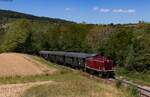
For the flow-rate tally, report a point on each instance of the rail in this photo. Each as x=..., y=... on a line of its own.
x=144, y=91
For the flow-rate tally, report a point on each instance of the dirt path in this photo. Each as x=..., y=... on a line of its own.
x=16, y=90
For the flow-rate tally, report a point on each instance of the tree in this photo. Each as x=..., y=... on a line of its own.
x=97, y=36
x=16, y=35
x=130, y=57
x=142, y=48
x=118, y=43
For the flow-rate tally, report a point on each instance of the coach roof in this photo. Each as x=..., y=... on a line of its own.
x=68, y=54
x=79, y=55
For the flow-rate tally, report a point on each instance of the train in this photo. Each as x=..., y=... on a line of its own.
x=93, y=63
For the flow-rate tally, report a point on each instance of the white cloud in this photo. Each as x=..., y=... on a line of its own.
x=105, y=10
x=118, y=10
x=68, y=9
x=124, y=10
x=131, y=10
x=96, y=8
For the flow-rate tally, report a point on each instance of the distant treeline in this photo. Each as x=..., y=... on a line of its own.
x=128, y=46
x=7, y=15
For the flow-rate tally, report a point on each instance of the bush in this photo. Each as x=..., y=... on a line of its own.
x=118, y=84
x=134, y=91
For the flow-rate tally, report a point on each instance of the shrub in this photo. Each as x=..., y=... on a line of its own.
x=118, y=84
x=134, y=91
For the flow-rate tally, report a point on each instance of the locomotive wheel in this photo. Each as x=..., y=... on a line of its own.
x=105, y=75
x=91, y=72
x=111, y=75
x=108, y=75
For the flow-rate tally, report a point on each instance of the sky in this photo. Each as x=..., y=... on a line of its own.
x=89, y=11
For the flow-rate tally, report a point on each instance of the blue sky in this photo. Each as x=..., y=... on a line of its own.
x=90, y=11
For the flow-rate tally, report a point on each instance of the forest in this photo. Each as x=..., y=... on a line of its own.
x=127, y=44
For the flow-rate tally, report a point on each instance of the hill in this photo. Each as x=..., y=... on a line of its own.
x=14, y=64
x=7, y=15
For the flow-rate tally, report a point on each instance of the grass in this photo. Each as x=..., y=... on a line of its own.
x=140, y=78
x=77, y=88
x=26, y=79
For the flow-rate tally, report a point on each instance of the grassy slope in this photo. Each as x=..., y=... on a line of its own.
x=140, y=78
x=67, y=83
x=77, y=88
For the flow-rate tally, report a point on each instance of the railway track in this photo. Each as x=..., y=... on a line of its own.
x=144, y=91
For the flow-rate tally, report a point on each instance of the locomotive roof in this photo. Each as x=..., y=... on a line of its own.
x=69, y=54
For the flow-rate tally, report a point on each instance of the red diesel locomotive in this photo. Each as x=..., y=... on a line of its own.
x=100, y=64
x=94, y=63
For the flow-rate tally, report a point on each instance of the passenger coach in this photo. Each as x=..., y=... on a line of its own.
x=91, y=62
